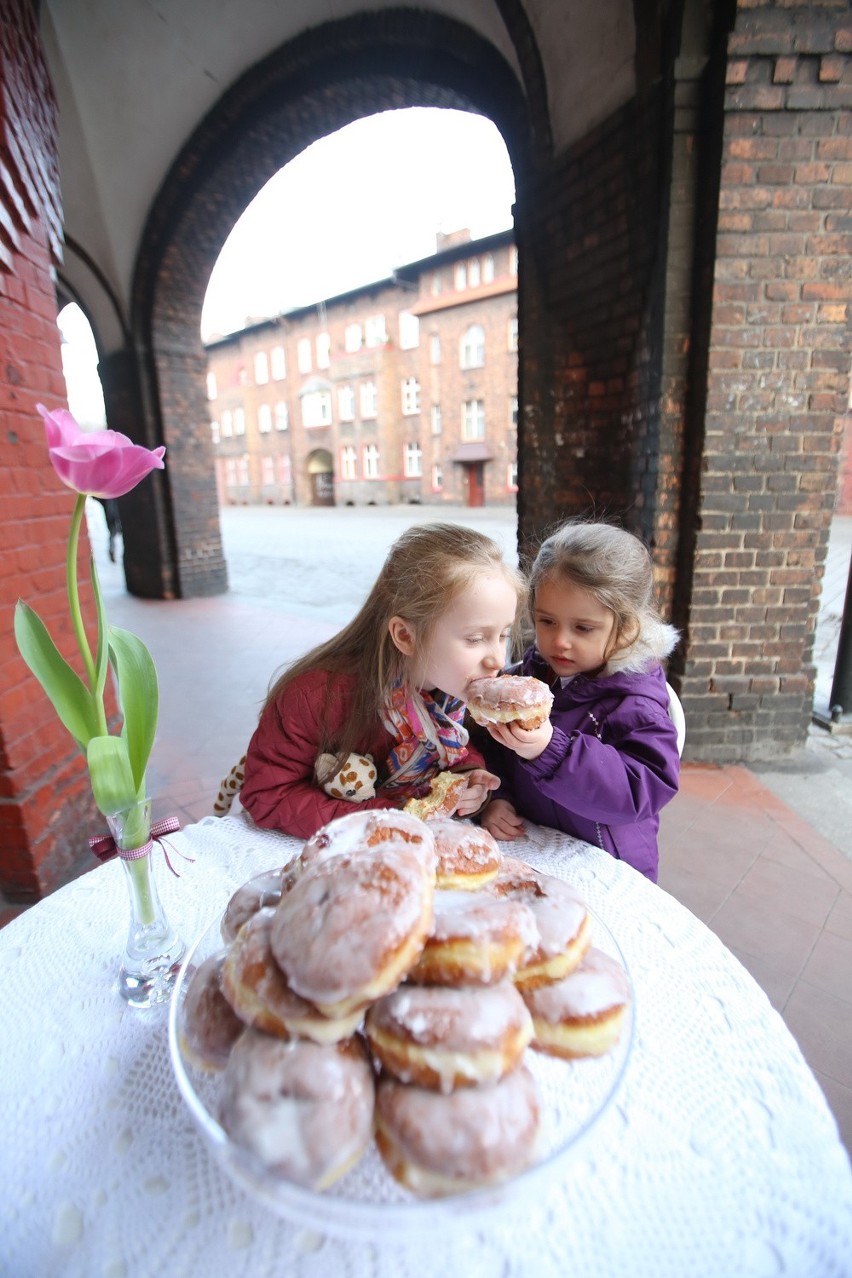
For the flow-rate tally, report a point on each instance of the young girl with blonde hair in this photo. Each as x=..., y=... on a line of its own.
x=606, y=761
x=391, y=684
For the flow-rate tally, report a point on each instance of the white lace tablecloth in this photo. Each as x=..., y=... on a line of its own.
x=719, y=1156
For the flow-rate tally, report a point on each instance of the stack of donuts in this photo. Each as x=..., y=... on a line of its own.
x=388, y=982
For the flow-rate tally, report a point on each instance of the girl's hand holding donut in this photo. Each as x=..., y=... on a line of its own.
x=528, y=743
x=502, y=821
x=479, y=785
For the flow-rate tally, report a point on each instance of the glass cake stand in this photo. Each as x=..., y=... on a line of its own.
x=367, y=1203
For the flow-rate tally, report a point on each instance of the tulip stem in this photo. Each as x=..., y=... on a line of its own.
x=74, y=597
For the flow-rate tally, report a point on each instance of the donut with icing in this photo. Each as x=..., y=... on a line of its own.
x=442, y=799
x=468, y=856
x=438, y=1144
x=304, y=1110
x=517, y=699
x=562, y=925
x=475, y=939
x=360, y=832
x=261, y=890
x=257, y=989
x=583, y=1014
x=445, y=1038
x=352, y=926
x=209, y=1026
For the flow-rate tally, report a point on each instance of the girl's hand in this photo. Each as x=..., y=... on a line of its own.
x=502, y=821
x=479, y=785
x=528, y=743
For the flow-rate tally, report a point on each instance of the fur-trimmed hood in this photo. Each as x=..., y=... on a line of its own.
x=656, y=639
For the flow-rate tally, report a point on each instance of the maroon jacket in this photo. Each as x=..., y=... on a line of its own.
x=280, y=791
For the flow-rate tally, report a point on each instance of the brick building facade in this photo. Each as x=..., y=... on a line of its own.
x=402, y=391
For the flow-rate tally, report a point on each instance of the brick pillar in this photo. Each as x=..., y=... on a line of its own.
x=46, y=808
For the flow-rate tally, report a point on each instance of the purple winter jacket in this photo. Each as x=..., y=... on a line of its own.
x=612, y=762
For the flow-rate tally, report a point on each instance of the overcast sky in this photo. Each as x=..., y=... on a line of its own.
x=347, y=211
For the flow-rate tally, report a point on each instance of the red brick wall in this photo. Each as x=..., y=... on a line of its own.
x=45, y=802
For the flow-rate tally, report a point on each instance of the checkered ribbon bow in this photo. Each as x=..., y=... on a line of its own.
x=105, y=847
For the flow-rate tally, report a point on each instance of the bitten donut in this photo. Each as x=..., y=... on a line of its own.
x=360, y=832
x=351, y=927
x=583, y=1014
x=257, y=989
x=209, y=1026
x=304, y=1110
x=445, y=792
x=468, y=856
x=476, y=939
x=264, y=889
x=517, y=699
x=562, y=925
x=437, y=1144
x=446, y=1038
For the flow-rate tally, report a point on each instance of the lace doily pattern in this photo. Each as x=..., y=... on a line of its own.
x=718, y=1156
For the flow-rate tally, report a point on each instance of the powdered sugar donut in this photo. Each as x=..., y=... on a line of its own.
x=468, y=855
x=446, y=1038
x=209, y=1027
x=562, y=925
x=517, y=699
x=583, y=1014
x=475, y=939
x=360, y=832
x=304, y=1110
x=437, y=1144
x=441, y=800
x=261, y=890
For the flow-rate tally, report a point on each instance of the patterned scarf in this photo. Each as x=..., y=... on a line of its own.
x=429, y=734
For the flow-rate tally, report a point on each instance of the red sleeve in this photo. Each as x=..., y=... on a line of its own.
x=279, y=791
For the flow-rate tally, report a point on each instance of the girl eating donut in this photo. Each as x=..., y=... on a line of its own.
x=391, y=684
x=605, y=761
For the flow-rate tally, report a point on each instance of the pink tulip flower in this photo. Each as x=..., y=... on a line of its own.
x=100, y=463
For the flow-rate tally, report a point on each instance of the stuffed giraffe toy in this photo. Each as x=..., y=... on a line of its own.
x=355, y=781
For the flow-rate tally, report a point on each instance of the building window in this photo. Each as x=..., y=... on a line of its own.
x=264, y=419
x=231, y=472
x=513, y=411
x=211, y=386
x=369, y=400
x=267, y=470
x=412, y=468
x=473, y=272
x=214, y=432
x=303, y=355
x=348, y=463
x=323, y=345
x=346, y=404
x=239, y=421
x=437, y=420
x=352, y=338
x=409, y=331
x=436, y=284
x=284, y=470
x=488, y=268
x=375, y=333
x=460, y=276
x=513, y=260
x=316, y=408
x=435, y=349
x=261, y=369
x=282, y=416
x=371, y=461
x=472, y=350
x=279, y=363
x=473, y=419
x=437, y=478
x=513, y=333
x=512, y=477
x=227, y=424
x=410, y=396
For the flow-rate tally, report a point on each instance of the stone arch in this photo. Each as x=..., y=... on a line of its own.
x=320, y=478
x=324, y=79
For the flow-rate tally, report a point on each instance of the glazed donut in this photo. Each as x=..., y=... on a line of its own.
x=437, y=1144
x=517, y=699
x=583, y=1014
x=359, y=832
x=446, y=1038
x=304, y=1110
x=468, y=855
x=352, y=926
x=264, y=889
x=257, y=989
x=209, y=1027
x=476, y=939
x=444, y=796
x=562, y=924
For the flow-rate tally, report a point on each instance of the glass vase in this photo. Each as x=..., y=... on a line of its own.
x=153, y=952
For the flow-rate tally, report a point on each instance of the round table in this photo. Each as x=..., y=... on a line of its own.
x=719, y=1155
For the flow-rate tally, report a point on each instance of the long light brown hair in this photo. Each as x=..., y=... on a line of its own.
x=425, y=571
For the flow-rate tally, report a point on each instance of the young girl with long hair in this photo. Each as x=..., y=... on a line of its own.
x=606, y=761
x=391, y=684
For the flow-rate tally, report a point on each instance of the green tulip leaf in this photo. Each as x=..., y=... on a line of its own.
x=139, y=696
x=70, y=697
x=102, y=660
x=111, y=774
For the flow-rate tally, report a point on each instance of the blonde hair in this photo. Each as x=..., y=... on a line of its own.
x=610, y=563
x=425, y=571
